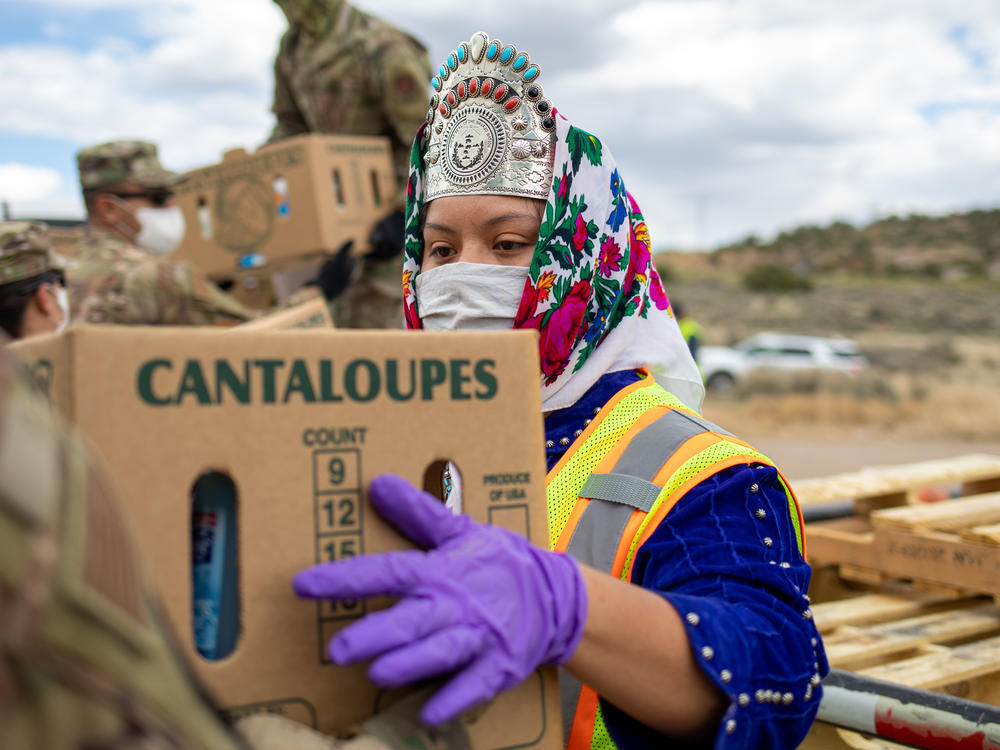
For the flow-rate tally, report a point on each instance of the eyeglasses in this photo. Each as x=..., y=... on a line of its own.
x=158, y=198
x=51, y=276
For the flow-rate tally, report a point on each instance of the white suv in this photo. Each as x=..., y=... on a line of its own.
x=722, y=366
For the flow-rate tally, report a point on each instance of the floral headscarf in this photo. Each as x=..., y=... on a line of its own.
x=592, y=291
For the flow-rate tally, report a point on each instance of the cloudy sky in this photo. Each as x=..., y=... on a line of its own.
x=727, y=117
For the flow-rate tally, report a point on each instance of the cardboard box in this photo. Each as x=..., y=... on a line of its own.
x=312, y=314
x=298, y=196
x=301, y=421
x=251, y=288
x=272, y=284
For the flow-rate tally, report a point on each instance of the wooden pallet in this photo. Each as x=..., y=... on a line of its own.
x=885, y=486
x=913, y=638
x=951, y=544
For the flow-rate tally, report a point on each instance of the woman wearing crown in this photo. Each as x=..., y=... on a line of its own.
x=673, y=594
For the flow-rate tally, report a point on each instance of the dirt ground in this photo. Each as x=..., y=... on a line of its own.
x=823, y=436
x=810, y=458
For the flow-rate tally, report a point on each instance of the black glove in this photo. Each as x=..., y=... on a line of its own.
x=387, y=237
x=335, y=274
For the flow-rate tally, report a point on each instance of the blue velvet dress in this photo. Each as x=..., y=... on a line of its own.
x=726, y=558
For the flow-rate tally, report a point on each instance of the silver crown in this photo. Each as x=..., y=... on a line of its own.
x=490, y=128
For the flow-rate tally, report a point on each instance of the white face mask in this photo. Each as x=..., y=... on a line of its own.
x=62, y=299
x=470, y=296
x=160, y=229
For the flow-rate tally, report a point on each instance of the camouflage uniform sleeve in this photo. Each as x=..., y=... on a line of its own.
x=300, y=296
x=209, y=305
x=373, y=300
x=172, y=293
x=404, y=71
x=288, y=117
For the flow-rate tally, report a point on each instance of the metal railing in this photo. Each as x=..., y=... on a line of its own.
x=909, y=716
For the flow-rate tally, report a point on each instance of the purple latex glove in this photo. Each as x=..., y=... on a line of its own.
x=481, y=601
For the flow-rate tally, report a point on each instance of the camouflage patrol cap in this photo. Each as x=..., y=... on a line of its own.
x=117, y=162
x=25, y=251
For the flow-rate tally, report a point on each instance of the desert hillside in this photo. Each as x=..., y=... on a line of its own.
x=962, y=244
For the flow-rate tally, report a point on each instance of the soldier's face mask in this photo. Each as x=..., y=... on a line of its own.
x=58, y=292
x=62, y=297
x=160, y=229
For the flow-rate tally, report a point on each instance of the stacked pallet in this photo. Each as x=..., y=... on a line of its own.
x=905, y=591
x=952, y=543
x=881, y=486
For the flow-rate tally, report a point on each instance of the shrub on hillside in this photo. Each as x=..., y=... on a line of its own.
x=775, y=279
x=866, y=386
x=932, y=356
x=666, y=273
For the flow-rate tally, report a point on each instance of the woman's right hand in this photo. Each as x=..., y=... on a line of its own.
x=481, y=601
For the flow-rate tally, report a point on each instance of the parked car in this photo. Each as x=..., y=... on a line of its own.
x=723, y=366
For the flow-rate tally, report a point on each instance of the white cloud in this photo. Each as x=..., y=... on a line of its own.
x=726, y=117
x=202, y=87
x=766, y=114
x=27, y=182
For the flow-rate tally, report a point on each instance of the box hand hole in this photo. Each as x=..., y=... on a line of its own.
x=204, y=218
x=443, y=480
x=280, y=187
x=376, y=194
x=338, y=190
x=215, y=605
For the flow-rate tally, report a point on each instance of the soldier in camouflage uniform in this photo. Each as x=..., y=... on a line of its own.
x=86, y=657
x=33, y=295
x=117, y=281
x=373, y=298
x=340, y=70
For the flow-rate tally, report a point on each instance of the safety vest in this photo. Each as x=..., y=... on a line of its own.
x=690, y=327
x=638, y=457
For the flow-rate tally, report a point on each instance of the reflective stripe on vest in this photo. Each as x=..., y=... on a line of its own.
x=599, y=530
x=661, y=451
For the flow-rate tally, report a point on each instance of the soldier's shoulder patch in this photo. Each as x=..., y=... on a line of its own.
x=404, y=84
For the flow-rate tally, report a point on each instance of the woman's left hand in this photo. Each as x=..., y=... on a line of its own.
x=481, y=601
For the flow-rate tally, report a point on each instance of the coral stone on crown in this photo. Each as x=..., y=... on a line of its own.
x=490, y=129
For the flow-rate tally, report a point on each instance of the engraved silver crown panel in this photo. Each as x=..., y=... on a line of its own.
x=490, y=128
